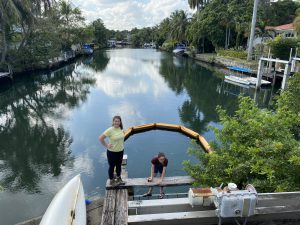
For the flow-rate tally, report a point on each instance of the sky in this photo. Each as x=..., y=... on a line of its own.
x=127, y=14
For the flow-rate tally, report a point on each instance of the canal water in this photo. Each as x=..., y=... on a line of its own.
x=50, y=122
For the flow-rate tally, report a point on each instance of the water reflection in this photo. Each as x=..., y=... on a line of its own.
x=202, y=88
x=33, y=142
x=206, y=89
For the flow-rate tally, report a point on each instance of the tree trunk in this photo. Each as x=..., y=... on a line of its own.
x=226, y=36
x=252, y=34
x=237, y=40
x=228, y=39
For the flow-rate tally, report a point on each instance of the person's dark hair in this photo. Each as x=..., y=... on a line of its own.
x=161, y=154
x=118, y=117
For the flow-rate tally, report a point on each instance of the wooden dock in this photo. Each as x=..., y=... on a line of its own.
x=115, y=208
x=142, y=182
x=272, y=209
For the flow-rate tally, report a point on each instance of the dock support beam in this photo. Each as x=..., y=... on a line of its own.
x=286, y=75
x=259, y=73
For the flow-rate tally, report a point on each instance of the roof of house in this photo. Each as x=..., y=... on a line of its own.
x=289, y=26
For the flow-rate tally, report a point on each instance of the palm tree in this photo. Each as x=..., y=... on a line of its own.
x=15, y=13
x=179, y=23
x=297, y=21
x=11, y=11
x=197, y=4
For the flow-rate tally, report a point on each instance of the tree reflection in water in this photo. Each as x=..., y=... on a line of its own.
x=201, y=86
x=33, y=143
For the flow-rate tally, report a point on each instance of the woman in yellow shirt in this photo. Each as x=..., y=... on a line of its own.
x=115, y=149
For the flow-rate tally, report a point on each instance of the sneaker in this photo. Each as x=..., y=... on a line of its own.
x=113, y=182
x=162, y=195
x=120, y=181
x=147, y=194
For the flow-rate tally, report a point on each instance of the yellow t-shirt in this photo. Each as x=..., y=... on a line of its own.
x=116, y=138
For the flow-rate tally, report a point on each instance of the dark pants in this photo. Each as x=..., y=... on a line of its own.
x=114, y=160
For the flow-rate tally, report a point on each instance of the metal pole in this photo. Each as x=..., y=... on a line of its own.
x=252, y=30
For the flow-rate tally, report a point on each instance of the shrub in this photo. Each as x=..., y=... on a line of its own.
x=168, y=45
x=233, y=53
x=281, y=47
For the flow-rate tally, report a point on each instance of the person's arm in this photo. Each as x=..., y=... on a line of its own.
x=102, y=141
x=151, y=173
x=162, y=175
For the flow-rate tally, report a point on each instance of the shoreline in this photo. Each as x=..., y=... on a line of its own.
x=224, y=62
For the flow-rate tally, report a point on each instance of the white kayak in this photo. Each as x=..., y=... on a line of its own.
x=68, y=205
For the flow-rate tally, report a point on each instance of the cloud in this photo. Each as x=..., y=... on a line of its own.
x=127, y=14
x=130, y=113
x=125, y=76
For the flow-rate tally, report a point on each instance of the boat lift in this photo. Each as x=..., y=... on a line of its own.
x=286, y=75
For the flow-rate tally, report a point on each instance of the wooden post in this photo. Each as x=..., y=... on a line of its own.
x=293, y=65
x=286, y=75
x=259, y=73
x=270, y=68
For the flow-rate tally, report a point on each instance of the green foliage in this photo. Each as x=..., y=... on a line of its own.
x=240, y=54
x=281, y=47
x=70, y=20
x=256, y=146
x=179, y=23
x=100, y=32
x=168, y=45
x=277, y=13
x=288, y=105
x=218, y=18
x=296, y=21
x=141, y=36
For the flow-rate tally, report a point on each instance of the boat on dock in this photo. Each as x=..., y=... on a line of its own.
x=236, y=79
x=244, y=79
x=68, y=206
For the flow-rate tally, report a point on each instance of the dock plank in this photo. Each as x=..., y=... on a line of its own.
x=142, y=182
x=121, y=213
x=206, y=217
x=108, y=214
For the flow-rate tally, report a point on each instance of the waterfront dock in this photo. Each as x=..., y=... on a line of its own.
x=117, y=209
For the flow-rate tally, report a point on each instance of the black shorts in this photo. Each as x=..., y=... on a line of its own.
x=158, y=169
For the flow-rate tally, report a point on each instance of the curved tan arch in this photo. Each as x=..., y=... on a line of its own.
x=165, y=126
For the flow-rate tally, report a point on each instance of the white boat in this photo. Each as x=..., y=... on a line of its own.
x=68, y=206
x=180, y=49
x=253, y=81
x=237, y=79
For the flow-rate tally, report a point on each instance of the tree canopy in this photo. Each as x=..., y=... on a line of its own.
x=256, y=146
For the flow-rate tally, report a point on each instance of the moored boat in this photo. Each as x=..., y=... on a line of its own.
x=239, y=80
x=87, y=49
x=179, y=49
